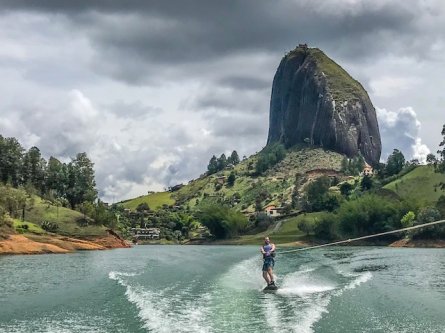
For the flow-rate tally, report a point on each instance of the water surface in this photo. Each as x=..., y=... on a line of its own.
x=218, y=289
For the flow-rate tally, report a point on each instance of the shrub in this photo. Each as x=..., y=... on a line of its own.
x=368, y=214
x=426, y=215
x=49, y=226
x=221, y=220
x=306, y=226
x=326, y=226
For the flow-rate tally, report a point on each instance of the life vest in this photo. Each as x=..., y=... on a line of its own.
x=268, y=249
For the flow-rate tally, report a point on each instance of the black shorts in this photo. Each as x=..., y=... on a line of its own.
x=269, y=262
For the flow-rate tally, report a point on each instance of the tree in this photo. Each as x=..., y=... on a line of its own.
x=366, y=183
x=142, y=206
x=55, y=179
x=81, y=182
x=222, y=221
x=345, y=189
x=317, y=193
x=11, y=153
x=440, y=167
x=368, y=214
x=234, y=158
x=212, y=167
x=34, y=169
x=231, y=179
x=408, y=219
x=221, y=162
x=269, y=156
x=14, y=201
x=306, y=226
x=428, y=214
x=395, y=163
x=431, y=159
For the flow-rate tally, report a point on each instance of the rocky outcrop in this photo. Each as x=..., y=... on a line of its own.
x=316, y=102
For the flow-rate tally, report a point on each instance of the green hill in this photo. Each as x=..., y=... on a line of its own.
x=419, y=185
x=68, y=220
x=38, y=210
x=153, y=200
x=275, y=186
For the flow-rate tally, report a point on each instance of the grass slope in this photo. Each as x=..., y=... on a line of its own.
x=153, y=200
x=418, y=185
x=31, y=227
x=67, y=219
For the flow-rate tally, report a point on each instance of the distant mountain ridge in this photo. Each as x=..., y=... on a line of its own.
x=315, y=101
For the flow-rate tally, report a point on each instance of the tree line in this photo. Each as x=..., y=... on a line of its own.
x=71, y=183
x=218, y=164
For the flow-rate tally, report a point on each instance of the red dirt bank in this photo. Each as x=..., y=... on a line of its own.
x=40, y=244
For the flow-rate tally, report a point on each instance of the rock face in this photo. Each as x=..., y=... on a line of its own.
x=315, y=101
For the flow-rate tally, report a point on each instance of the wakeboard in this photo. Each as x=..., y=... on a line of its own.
x=270, y=289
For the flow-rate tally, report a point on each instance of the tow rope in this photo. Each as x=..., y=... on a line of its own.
x=364, y=237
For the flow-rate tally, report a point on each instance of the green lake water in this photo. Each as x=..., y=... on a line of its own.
x=219, y=289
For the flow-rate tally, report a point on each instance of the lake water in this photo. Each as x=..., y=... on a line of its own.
x=219, y=289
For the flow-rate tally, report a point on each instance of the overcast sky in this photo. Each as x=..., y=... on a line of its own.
x=151, y=89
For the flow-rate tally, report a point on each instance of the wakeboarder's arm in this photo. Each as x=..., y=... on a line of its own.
x=262, y=250
x=273, y=247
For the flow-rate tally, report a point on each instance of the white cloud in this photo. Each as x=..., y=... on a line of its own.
x=400, y=129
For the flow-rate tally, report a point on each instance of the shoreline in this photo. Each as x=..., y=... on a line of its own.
x=44, y=244
x=20, y=244
x=402, y=243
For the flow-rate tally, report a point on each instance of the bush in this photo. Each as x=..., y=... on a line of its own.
x=49, y=226
x=326, y=226
x=142, y=206
x=368, y=214
x=408, y=219
x=318, y=198
x=426, y=215
x=221, y=220
x=269, y=157
x=440, y=206
x=306, y=226
x=262, y=221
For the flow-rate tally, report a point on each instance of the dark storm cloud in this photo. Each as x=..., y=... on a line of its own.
x=218, y=100
x=134, y=39
x=214, y=57
x=245, y=83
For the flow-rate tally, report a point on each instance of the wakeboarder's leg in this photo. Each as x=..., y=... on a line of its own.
x=270, y=276
x=266, y=277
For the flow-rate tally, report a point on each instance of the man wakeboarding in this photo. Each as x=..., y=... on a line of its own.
x=268, y=251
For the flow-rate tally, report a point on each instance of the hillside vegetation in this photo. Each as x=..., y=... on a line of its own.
x=419, y=185
x=37, y=211
x=153, y=200
x=275, y=186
